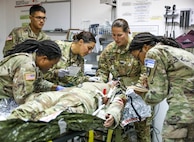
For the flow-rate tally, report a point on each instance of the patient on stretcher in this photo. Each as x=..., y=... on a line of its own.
x=87, y=99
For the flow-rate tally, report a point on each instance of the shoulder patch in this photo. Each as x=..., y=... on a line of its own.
x=150, y=63
x=30, y=76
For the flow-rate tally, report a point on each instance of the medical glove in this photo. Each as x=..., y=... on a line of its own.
x=58, y=88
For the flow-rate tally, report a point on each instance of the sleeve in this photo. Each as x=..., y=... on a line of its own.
x=79, y=78
x=158, y=83
x=75, y=80
x=10, y=41
x=23, y=82
x=103, y=68
x=116, y=108
x=50, y=74
x=42, y=85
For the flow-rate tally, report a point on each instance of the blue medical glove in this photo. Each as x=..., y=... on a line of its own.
x=59, y=88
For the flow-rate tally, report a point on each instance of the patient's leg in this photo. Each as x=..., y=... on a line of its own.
x=33, y=107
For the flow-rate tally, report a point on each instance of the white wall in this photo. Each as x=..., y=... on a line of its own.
x=89, y=10
x=3, y=25
x=151, y=12
x=7, y=22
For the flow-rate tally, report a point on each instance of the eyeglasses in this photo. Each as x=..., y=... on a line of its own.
x=39, y=18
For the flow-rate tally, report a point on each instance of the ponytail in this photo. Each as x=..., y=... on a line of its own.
x=147, y=38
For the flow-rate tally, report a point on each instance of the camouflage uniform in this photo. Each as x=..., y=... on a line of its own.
x=121, y=64
x=72, y=99
x=19, y=77
x=19, y=35
x=67, y=59
x=171, y=76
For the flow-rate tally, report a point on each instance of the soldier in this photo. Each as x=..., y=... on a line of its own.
x=21, y=73
x=31, y=31
x=72, y=56
x=74, y=100
x=117, y=60
x=170, y=72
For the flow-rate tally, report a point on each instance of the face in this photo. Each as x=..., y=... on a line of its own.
x=45, y=64
x=119, y=36
x=141, y=53
x=37, y=20
x=85, y=48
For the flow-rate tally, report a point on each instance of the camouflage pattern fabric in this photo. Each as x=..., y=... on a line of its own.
x=19, y=77
x=124, y=66
x=17, y=130
x=19, y=35
x=171, y=76
x=74, y=100
x=68, y=59
x=120, y=63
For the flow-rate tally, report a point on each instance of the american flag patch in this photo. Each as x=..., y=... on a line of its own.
x=9, y=38
x=30, y=76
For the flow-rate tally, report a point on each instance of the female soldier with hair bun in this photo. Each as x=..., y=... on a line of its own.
x=72, y=56
x=21, y=71
x=170, y=76
x=117, y=60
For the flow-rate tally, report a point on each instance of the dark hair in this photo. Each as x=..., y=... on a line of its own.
x=36, y=8
x=42, y=48
x=86, y=36
x=122, y=23
x=147, y=38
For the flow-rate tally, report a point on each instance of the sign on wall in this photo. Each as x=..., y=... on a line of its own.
x=22, y=3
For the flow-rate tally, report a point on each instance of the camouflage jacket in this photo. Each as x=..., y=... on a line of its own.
x=19, y=77
x=67, y=59
x=73, y=99
x=19, y=35
x=120, y=63
x=170, y=74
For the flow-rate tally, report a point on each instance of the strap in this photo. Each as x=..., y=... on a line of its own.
x=117, y=134
x=109, y=135
x=91, y=136
x=134, y=108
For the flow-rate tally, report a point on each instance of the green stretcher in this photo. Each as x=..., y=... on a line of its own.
x=64, y=127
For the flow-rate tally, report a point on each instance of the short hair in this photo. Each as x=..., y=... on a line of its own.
x=36, y=8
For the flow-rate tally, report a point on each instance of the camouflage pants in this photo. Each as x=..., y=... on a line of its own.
x=180, y=130
x=143, y=130
x=178, y=133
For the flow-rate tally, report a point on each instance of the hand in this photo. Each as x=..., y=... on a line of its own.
x=109, y=120
x=94, y=79
x=58, y=88
x=62, y=72
x=143, y=80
